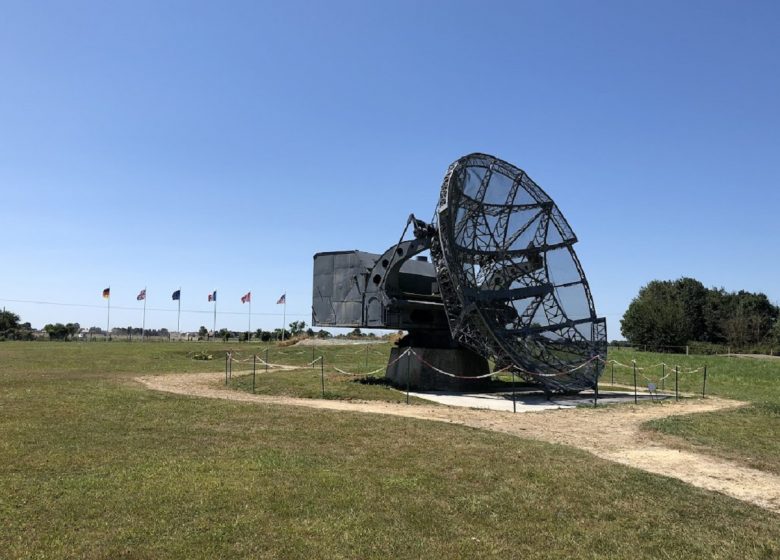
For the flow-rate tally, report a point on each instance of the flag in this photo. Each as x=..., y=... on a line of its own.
x=141, y=295
x=247, y=297
x=176, y=295
x=213, y=297
x=282, y=299
x=107, y=293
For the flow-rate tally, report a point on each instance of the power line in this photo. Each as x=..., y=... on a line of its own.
x=92, y=306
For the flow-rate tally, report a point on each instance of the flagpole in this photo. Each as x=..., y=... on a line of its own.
x=108, y=314
x=249, y=331
x=178, y=316
x=284, y=314
x=214, y=329
x=143, y=321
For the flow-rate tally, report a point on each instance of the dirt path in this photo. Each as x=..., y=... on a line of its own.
x=611, y=433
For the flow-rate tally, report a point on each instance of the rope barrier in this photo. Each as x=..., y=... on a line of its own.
x=341, y=371
x=694, y=370
x=244, y=361
x=392, y=362
x=559, y=373
x=517, y=369
x=448, y=374
x=261, y=361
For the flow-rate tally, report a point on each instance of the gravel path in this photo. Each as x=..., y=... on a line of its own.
x=612, y=433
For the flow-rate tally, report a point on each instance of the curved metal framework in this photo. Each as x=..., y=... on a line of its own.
x=512, y=286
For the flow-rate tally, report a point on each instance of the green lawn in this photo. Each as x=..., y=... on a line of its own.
x=307, y=383
x=747, y=435
x=749, y=379
x=349, y=372
x=92, y=465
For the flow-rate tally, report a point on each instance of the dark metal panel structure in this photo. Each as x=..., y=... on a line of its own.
x=505, y=281
x=394, y=290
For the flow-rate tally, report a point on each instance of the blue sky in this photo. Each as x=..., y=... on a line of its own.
x=218, y=146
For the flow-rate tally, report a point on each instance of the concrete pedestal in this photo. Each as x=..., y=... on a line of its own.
x=458, y=361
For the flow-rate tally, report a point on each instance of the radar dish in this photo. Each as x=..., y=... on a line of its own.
x=512, y=286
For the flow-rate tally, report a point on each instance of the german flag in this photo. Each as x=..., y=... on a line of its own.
x=107, y=293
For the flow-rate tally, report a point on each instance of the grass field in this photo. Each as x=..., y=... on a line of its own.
x=354, y=361
x=747, y=435
x=92, y=465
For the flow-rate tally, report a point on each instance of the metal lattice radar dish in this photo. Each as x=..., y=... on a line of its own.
x=509, y=278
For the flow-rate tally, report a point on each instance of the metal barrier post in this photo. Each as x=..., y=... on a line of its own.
x=704, y=385
x=596, y=392
x=514, y=402
x=254, y=371
x=266, y=360
x=226, y=366
x=676, y=382
x=663, y=376
x=322, y=375
x=408, y=374
x=635, y=397
x=613, y=373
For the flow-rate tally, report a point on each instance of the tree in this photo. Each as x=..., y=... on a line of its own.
x=692, y=295
x=749, y=318
x=203, y=332
x=8, y=321
x=277, y=335
x=11, y=329
x=57, y=331
x=774, y=334
x=714, y=313
x=656, y=317
x=297, y=327
x=673, y=313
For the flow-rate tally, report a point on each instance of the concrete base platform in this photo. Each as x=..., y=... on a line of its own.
x=530, y=401
x=421, y=377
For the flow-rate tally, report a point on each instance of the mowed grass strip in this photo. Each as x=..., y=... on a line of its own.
x=101, y=358
x=351, y=371
x=307, y=383
x=95, y=468
x=747, y=435
x=749, y=379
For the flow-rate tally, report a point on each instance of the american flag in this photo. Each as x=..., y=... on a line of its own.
x=141, y=295
x=247, y=297
x=282, y=299
x=213, y=297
